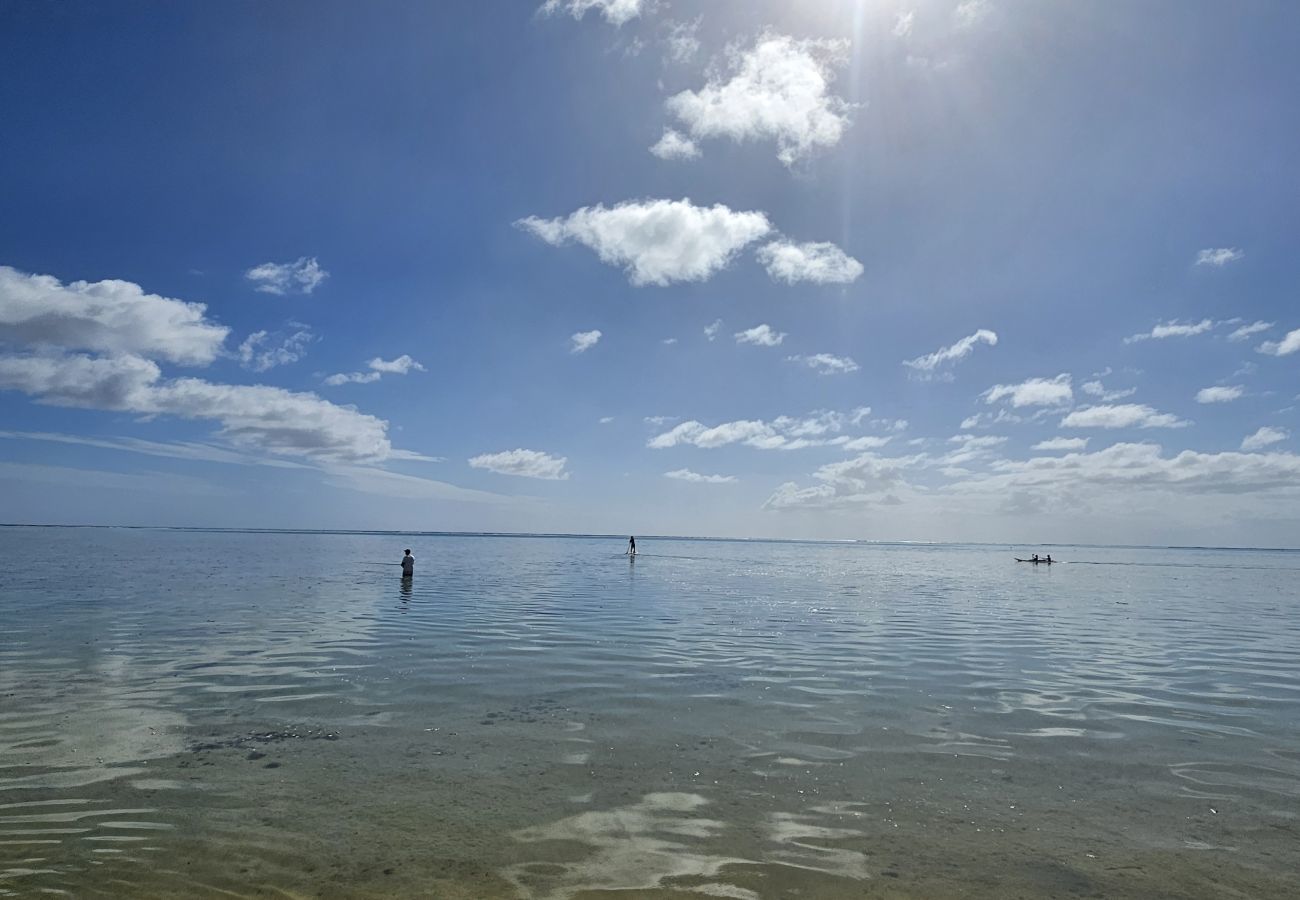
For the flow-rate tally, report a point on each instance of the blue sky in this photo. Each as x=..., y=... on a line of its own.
x=932, y=270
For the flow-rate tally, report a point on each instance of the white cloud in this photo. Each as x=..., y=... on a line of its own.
x=903, y=23
x=818, y=262
x=605, y=420
x=778, y=90
x=616, y=12
x=259, y=416
x=353, y=378
x=781, y=433
x=1123, y=415
x=291, y=348
x=1172, y=329
x=1098, y=390
x=868, y=479
x=1218, y=257
x=826, y=363
x=760, y=335
x=1033, y=392
x=931, y=361
x=105, y=316
x=1219, y=394
x=656, y=241
x=696, y=477
x=682, y=40
x=673, y=145
x=1062, y=443
x=1288, y=345
x=302, y=276
x=525, y=463
x=379, y=367
x=399, y=366
x=984, y=420
x=1265, y=437
x=711, y=331
x=121, y=383
x=583, y=341
x=1142, y=466
x=660, y=421
x=971, y=12
x=1246, y=331
x=668, y=342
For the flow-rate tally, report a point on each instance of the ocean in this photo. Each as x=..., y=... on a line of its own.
x=254, y=714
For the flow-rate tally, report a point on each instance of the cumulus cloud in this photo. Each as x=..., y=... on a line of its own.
x=656, y=241
x=674, y=145
x=826, y=363
x=615, y=12
x=524, y=463
x=256, y=354
x=582, y=341
x=1285, y=347
x=925, y=365
x=266, y=418
x=1218, y=257
x=120, y=383
x=697, y=478
x=778, y=90
x=1122, y=415
x=760, y=335
x=378, y=368
x=302, y=276
x=868, y=479
x=1219, y=394
x=1143, y=466
x=1247, y=331
x=1098, y=390
x=1171, y=329
x=1033, y=392
x=109, y=316
x=1264, y=437
x=818, y=429
x=711, y=330
x=818, y=262
x=1062, y=443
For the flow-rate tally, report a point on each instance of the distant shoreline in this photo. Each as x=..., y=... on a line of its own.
x=645, y=537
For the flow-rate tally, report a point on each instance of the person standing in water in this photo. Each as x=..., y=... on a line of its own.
x=631, y=546
x=408, y=565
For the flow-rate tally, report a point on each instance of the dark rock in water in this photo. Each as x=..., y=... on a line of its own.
x=256, y=754
x=271, y=765
x=263, y=737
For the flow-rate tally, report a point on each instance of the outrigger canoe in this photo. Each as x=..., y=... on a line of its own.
x=1046, y=562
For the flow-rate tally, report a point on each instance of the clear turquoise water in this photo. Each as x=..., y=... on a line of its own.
x=238, y=714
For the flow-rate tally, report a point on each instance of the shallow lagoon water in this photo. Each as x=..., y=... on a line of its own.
x=258, y=715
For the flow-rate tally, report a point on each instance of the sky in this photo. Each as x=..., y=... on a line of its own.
x=931, y=270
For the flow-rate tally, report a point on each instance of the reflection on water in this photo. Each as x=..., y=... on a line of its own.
x=547, y=718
